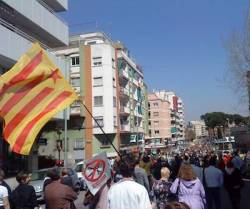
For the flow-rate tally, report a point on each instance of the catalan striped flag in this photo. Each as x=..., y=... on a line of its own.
x=31, y=93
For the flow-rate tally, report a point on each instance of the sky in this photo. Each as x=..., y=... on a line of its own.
x=180, y=44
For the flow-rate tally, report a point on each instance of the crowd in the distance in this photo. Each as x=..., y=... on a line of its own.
x=192, y=180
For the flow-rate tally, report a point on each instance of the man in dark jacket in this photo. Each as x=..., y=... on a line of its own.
x=24, y=196
x=58, y=195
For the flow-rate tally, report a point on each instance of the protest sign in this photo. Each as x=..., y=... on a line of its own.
x=97, y=171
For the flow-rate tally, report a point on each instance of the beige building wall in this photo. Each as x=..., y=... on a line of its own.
x=159, y=118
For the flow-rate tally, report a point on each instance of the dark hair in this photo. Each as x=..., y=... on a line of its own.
x=21, y=177
x=54, y=174
x=145, y=159
x=177, y=205
x=126, y=169
x=230, y=164
x=1, y=174
x=213, y=160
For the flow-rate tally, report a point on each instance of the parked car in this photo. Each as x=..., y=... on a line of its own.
x=37, y=180
x=79, y=167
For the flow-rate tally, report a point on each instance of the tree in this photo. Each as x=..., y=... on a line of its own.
x=221, y=121
x=239, y=60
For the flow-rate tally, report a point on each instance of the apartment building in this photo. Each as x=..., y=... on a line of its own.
x=21, y=23
x=176, y=115
x=112, y=87
x=159, y=122
x=199, y=128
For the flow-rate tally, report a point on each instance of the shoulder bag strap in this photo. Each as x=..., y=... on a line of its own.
x=178, y=187
x=204, y=178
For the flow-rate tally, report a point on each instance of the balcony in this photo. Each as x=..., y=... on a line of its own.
x=125, y=128
x=75, y=70
x=57, y=5
x=75, y=110
x=135, y=82
x=124, y=92
x=34, y=19
x=123, y=74
x=124, y=110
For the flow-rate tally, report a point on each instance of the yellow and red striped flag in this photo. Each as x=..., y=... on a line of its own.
x=31, y=93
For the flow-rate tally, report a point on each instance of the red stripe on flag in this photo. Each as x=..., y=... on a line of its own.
x=26, y=109
x=19, y=95
x=23, y=136
x=25, y=72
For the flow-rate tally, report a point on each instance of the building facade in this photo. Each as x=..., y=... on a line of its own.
x=21, y=23
x=112, y=87
x=159, y=122
x=199, y=128
x=176, y=115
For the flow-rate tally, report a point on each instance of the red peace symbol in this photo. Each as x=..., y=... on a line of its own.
x=94, y=170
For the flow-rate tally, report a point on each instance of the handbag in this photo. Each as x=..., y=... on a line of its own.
x=173, y=197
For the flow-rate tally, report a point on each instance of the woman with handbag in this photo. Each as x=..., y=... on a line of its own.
x=188, y=188
x=161, y=189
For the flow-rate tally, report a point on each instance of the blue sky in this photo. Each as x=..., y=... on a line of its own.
x=179, y=44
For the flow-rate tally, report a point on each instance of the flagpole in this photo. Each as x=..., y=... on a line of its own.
x=105, y=135
x=65, y=138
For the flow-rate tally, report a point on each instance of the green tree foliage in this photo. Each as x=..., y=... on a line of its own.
x=220, y=119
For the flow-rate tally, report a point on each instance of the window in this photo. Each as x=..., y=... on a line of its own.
x=78, y=144
x=98, y=101
x=105, y=143
x=115, y=121
x=157, y=131
x=91, y=42
x=75, y=82
x=97, y=61
x=75, y=61
x=113, y=63
x=114, y=82
x=114, y=101
x=99, y=120
x=98, y=81
x=155, y=113
x=155, y=104
x=149, y=123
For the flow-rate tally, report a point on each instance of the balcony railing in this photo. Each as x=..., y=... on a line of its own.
x=75, y=110
x=125, y=127
x=123, y=73
x=124, y=91
x=124, y=110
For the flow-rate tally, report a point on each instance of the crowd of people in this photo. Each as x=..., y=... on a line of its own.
x=192, y=180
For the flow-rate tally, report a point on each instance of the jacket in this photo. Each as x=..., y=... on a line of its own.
x=59, y=196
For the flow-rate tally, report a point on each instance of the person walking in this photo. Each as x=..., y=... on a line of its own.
x=141, y=176
x=188, y=188
x=127, y=194
x=233, y=183
x=161, y=189
x=58, y=195
x=4, y=201
x=24, y=196
x=3, y=183
x=212, y=181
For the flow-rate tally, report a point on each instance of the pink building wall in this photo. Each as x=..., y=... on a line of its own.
x=159, y=119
